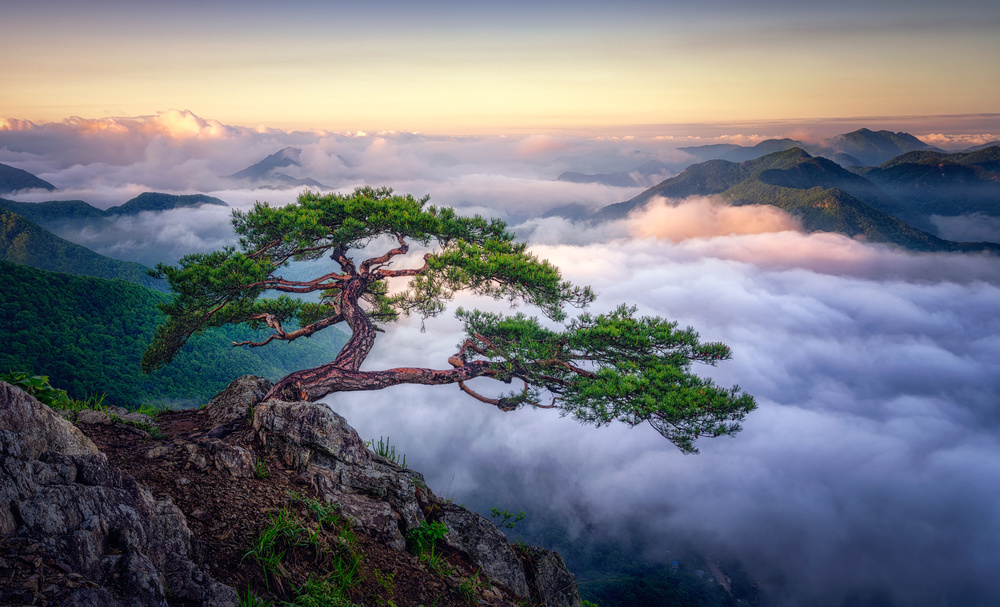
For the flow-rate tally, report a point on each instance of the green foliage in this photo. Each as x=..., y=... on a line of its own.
x=25, y=243
x=614, y=366
x=423, y=538
x=387, y=451
x=260, y=470
x=38, y=386
x=504, y=519
x=88, y=336
x=473, y=254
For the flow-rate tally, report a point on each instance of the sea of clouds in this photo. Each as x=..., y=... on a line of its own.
x=869, y=475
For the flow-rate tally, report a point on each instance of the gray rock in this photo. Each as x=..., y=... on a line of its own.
x=387, y=501
x=137, y=418
x=58, y=489
x=303, y=432
x=235, y=460
x=234, y=403
x=551, y=581
x=93, y=416
x=486, y=546
x=28, y=428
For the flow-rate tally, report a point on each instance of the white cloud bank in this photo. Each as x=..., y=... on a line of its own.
x=869, y=475
x=870, y=472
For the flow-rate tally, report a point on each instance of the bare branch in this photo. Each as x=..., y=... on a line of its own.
x=406, y=272
x=283, y=335
x=267, y=247
x=383, y=259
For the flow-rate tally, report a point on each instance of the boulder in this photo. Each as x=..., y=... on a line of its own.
x=234, y=403
x=551, y=582
x=28, y=429
x=58, y=491
x=304, y=433
x=485, y=545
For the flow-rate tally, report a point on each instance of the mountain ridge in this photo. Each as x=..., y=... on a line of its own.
x=26, y=243
x=88, y=334
x=265, y=173
x=13, y=179
x=824, y=195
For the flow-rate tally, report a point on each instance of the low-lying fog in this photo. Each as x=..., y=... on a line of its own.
x=871, y=470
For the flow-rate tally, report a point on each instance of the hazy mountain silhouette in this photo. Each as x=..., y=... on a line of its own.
x=13, y=179
x=267, y=172
x=25, y=243
x=874, y=147
x=155, y=201
x=645, y=174
x=937, y=183
x=821, y=193
x=57, y=212
x=862, y=147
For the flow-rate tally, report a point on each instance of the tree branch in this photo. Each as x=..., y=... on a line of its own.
x=400, y=250
x=346, y=263
x=406, y=272
x=281, y=334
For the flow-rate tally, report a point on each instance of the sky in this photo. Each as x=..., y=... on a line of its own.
x=487, y=68
x=868, y=476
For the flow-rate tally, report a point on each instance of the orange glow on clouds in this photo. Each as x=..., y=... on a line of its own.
x=171, y=124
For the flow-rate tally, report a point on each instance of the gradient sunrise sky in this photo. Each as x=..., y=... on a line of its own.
x=459, y=67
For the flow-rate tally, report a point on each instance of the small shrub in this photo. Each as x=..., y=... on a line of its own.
x=387, y=451
x=286, y=533
x=39, y=387
x=424, y=537
x=325, y=514
x=423, y=540
x=470, y=589
x=153, y=410
x=502, y=518
x=320, y=592
x=249, y=599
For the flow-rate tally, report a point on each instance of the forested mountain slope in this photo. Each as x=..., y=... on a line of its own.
x=23, y=242
x=821, y=193
x=88, y=335
x=13, y=179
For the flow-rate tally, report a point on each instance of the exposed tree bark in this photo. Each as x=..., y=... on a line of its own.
x=313, y=384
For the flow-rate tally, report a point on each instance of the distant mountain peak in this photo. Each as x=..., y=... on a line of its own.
x=267, y=174
x=13, y=179
x=156, y=201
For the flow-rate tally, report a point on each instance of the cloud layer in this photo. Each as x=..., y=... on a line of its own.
x=869, y=475
x=869, y=472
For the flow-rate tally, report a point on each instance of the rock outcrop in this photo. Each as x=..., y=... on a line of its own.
x=115, y=544
x=112, y=542
x=547, y=574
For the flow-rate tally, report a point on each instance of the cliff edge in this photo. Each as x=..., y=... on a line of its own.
x=270, y=503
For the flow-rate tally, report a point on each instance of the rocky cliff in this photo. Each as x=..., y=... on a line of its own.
x=105, y=513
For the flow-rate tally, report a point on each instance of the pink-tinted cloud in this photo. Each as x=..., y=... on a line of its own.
x=702, y=217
